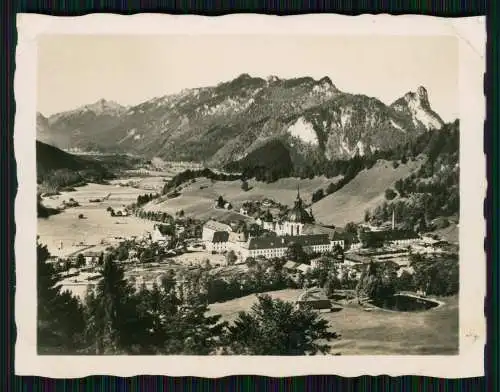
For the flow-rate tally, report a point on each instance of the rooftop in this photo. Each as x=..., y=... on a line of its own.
x=298, y=213
x=220, y=236
x=217, y=226
x=285, y=242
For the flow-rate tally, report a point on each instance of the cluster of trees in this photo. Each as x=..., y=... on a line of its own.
x=274, y=327
x=60, y=178
x=267, y=163
x=317, y=195
x=331, y=188
x=221, y=203
x=245, y=186
x=377, y=282
x=157, y=216
x=273, y=162
x=433, y=191
x=390, y=194
x=189, y=175
x=60, y=315
x=43, y=211
x=259, y=279
x=192, y=227
x=66, y=178
x=434, y=275
x=146, y=198
x=170, y=318
x=295, y=252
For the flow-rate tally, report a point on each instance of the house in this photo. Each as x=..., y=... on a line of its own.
x=210, y=227
x=244, y=211
x=392, y=237
x=276, y=246
x=220, y=241
x=290, y=266
x=314, y=298
x=158, y=237
x=409, y=270
x=335, y=236
x=121, y=211
x=91, y=258
x=356, y=245
x=316, y=263
x=303, y=268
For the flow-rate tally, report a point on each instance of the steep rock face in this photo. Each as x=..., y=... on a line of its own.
x=224, y=123
x=416, y=105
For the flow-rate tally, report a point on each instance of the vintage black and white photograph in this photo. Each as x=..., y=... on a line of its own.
x=255, y=195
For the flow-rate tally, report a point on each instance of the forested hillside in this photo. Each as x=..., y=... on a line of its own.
x=432, y=191
x=57, y=169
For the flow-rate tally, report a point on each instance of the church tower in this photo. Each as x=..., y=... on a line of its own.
x=297, y=217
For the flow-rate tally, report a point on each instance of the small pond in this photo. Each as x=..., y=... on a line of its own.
x=405, y=303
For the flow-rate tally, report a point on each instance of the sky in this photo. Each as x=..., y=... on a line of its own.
x=75, y=70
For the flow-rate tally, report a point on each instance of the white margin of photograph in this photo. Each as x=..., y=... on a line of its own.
x=471, y=34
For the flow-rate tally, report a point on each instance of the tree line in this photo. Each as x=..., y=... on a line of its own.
x=146, y=198
x=170, y=318
x=189, y=175
x=434, y=275
x=432, y=191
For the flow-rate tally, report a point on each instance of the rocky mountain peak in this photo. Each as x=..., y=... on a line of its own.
x=417, y=105
x=326, y=80
x=103, y=105
x=419, y=97
x=228, y=121
x=272, y=79
x=327, y=83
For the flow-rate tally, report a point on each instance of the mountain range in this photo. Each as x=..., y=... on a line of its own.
x=218, y=125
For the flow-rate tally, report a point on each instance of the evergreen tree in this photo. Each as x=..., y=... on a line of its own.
x=198, y=333
x=295, y=252
x=111, y=312
x=231, y=257
x=274, y=327
x=60, y=315
x=220, y=202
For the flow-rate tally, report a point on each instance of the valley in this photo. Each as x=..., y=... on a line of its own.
x=198, y=201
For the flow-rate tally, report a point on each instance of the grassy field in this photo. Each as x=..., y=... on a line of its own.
x=229, y=310
x=198, y=198
x=378, y=332
x=365, y=191
x=197, y=258
x=98, y=224
x=147, y=184
x=450, y=233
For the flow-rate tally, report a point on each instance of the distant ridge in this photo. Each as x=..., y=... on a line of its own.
x=224, y=123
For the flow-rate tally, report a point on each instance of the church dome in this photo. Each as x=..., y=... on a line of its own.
x=298, y=213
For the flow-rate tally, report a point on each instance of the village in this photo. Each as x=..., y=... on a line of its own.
x=264, y=233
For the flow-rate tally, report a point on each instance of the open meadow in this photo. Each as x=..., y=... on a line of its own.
x=97, y=224
x=365, y=191
x=375, y=332
x=197, y=199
